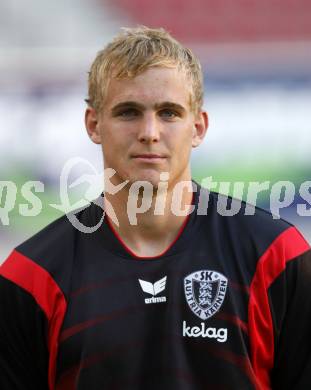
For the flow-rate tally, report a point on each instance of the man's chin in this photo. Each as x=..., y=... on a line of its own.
x=151, y=181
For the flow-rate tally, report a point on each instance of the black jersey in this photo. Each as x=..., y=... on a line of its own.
x=226, y=306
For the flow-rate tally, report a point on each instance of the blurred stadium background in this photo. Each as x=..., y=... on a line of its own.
x=257, y=62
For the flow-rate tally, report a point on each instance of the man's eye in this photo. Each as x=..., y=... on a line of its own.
x=129, y=113
x=168, y=114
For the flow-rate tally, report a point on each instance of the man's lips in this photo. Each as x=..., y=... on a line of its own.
x=149, y=157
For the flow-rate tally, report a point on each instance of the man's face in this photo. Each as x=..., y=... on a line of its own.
x=147, y=127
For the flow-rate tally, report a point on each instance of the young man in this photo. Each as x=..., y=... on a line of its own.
x=176, y=296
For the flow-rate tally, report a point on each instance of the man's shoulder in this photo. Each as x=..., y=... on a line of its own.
x=243, y=208
x=51, y=252
x=55, y=236
x=250, y=230
x=245, y=222
x=56, y=242
x=241, y=212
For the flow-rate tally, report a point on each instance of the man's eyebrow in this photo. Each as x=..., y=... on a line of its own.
x=127, y=104
x=170, y=105
x=157, y=106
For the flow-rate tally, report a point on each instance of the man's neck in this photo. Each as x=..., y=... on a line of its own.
x=149, y=233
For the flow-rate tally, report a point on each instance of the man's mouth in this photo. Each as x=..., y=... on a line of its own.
x=149, y=157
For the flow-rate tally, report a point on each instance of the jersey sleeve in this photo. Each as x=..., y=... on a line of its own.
x=290, y=301
x=23, y=340
x=32, y=309
x=279, y=314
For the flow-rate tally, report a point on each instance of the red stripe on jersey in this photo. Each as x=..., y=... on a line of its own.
x=287, y=246
x=28, y=275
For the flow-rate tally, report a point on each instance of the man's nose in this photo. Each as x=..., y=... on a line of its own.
x=149, y=129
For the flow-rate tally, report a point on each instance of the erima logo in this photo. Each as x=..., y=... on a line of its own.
x=205, y=292
x=213, y=333
x=153, y=289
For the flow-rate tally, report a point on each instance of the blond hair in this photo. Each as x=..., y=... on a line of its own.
x=135, y=50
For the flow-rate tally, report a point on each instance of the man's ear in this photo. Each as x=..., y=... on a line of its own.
x=91, y=124
x=199, y=128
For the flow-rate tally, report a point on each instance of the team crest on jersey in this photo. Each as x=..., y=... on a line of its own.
x=205, y=292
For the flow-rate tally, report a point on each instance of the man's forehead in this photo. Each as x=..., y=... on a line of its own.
x=151, y=87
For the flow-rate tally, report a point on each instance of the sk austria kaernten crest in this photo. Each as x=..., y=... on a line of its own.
x=205, y=292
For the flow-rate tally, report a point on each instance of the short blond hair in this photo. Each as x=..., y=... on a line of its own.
x=135, y=50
